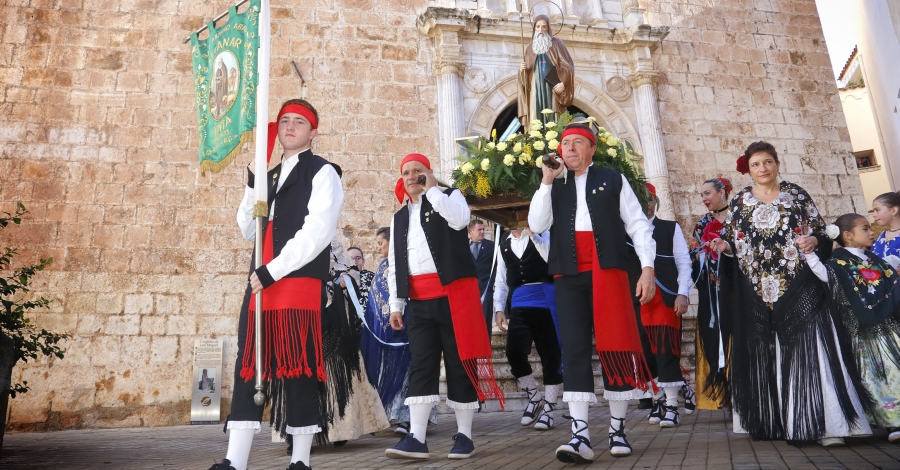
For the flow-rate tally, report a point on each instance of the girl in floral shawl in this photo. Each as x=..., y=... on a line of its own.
x=866, y=291
x=790, y=378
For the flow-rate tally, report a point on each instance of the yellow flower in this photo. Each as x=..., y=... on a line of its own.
x=482, y=185
x=494, y=134
x=550, y=125
x=501, y=146
x=517, y=148
x=485, y=164
x=842, y=262
x=611, y=152
x=491, y=145
x=551, y=135
x=602, y=130
x=508, y=160
x=536, y=122
x=536, y=134
x=538, y=162
x=546, y=111
x=591, y=119
x=524, y=159
x=467, y=168
x=603, y=139
x=612, y=141
x=528, y=149
x=536, y=127
x=539, y=145
x=553, y=144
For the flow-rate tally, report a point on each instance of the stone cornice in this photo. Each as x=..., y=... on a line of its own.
x=645, y=77
x=469, y=25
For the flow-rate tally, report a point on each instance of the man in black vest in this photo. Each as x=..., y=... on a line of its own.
x=304, y=201
x=591, y=213
x=431, y=265
x=483, y=254
x=525, y=290
x=661, y=317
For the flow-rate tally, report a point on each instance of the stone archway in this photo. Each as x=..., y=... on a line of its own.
x=587, y=97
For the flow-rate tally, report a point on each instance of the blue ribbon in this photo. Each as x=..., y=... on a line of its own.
x=362, y=316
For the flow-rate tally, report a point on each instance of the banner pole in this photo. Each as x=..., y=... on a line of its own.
x=261, y=209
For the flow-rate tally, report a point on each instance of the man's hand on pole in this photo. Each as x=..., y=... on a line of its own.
x=255, y=285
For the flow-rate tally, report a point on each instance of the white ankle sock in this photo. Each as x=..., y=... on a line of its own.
x=302, y=445
x=418, y=419
x=239, y=442
x=617, y=409
x=464, y=421
x=672, y=396
x=579, y=411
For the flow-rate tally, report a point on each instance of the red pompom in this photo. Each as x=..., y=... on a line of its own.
x=726, y=184
x=742, y=166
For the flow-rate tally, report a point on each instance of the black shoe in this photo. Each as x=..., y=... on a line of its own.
x=402, y=429
x=225, y=464
x=645, y=404
x=408, y=448
x=298, y=465
x=339, y=443
x=578, y=449
x=463, y=447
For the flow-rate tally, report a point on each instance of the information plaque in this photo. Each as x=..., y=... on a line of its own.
x=206, y=383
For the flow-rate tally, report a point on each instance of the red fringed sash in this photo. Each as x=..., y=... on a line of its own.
x=291, y=318
x=468, y=327
x=615, y=325
x=662, y=325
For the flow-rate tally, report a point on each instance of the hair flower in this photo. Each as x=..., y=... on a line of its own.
x=832, y=231
x=742, y=166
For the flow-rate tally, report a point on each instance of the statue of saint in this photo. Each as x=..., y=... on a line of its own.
x=547, y=77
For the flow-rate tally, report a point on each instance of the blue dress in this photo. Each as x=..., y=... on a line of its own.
x=888, y=250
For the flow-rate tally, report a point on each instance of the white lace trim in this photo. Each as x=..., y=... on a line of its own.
x=634, y=394
x=422, y=399
x=254, y=425
x=670, y=384
x=302, y=430
x=589, y=397
x=462, y=406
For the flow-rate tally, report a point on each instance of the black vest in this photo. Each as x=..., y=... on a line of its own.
x=290, y=208
x=525, y=270
x=666, y=270
x=449, y=248
x=602, y=196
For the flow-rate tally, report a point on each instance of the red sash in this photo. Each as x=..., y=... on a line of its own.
x=291, y=317
x=615, y=325
x=468, y=327
x=662, y=325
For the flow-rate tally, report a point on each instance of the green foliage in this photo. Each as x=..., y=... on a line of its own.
x=30, y=343
x=513, y=167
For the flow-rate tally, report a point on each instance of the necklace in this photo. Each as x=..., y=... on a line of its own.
x=717, y=211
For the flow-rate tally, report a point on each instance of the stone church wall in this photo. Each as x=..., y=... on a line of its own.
x=98, y=140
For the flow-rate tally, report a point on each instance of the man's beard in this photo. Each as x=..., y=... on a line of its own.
x=541, y=43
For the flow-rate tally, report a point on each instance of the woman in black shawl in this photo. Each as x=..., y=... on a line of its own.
x=791, y=379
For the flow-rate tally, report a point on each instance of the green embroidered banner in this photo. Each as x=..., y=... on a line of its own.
x=225, y=82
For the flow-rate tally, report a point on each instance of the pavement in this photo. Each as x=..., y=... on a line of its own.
x=703, y=441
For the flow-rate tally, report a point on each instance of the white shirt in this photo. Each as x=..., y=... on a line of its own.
x=540, y=216
x=319, y=227
x=453, y=209
x=518, y=246
x=682, y=260
x=812, y=259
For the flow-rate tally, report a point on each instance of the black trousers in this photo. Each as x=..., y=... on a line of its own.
x=575, y=308
x=533, y=324
x=301, y=395
x=429, y=327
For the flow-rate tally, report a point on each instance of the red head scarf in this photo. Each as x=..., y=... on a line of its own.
x=400, y=188
x=273, y=126
x=579, y=131
x=651, y=188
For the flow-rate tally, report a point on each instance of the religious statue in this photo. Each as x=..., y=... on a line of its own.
x=547, y=77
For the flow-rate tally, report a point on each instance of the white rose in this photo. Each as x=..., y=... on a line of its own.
x=550, y=125
x=536, y=134
x=517, y=148
x=467, y=168
x=538, y=163
x=485, y=164
x=539, y=146
x=791, y=253
x=832, y=231
x=550, y=135
x=553, y=144
x=611, y=152
x=770, y=289
x=491, y=145
x=536, y=122
x=523, y=159
x=765, y=217
x=501, y=146
x=612, y=141
x=508, y=160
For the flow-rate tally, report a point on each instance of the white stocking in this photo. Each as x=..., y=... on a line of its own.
x=302, y=445
x=617, y=409
x=672, y=396
x=239, y=442
x=464, y=421
x=418, y=419
x=579, y=411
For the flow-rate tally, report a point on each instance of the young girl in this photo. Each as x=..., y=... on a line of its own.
x=866, y=290
x=886, y=212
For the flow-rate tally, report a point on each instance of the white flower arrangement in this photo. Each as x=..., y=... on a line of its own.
x=832, y=231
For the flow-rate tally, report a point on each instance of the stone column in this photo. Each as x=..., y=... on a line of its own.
x=596, y=14
x=632, y=13
x=655, y=166
x=449, y=68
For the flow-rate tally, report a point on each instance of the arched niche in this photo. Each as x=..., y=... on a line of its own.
x=587, y=97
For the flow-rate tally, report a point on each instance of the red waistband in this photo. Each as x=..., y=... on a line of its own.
x=586, y=250
x=426, y=287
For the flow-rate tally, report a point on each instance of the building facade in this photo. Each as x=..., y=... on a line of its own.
x=98, y=139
